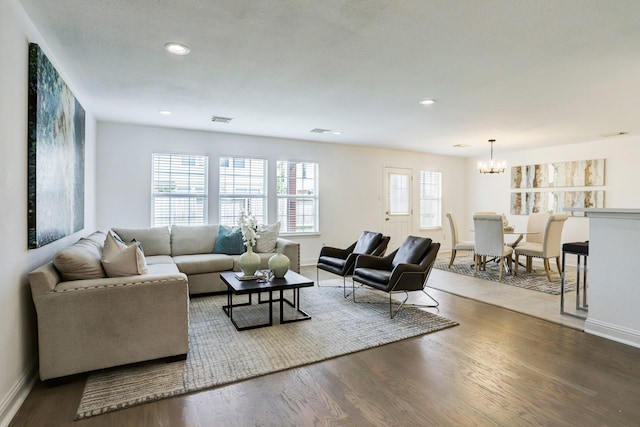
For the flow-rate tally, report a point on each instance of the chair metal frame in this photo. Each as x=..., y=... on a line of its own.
x=392, y=313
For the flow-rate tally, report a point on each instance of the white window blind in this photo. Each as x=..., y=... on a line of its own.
x=243, y=184
x=179, y=189
x=430, y=199
x=297, y=191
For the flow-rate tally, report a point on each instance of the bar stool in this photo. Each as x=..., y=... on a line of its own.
x=581, y=250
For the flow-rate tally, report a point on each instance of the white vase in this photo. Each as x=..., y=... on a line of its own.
x=279, y=264
x=249, y=262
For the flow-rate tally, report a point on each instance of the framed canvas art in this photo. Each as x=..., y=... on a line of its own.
x=56, y=129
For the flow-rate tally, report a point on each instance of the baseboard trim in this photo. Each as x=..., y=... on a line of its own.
x=16, y=396
x=613, y=332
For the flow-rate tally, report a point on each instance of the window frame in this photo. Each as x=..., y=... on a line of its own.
x=314, y=197
x=199, y=189
x=425, y=199
x=242, y=200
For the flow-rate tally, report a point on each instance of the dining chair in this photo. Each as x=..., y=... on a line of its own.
x=489, y=241
x=456, y=243
x=549, y=247
x=535, y=226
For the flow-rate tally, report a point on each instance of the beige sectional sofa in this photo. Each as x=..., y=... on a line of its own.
x=190, y=248
x=87, y=321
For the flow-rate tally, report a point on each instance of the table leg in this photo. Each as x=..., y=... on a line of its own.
x=228, y=309
x=295, y=304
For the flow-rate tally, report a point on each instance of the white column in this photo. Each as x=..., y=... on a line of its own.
x=614, y=274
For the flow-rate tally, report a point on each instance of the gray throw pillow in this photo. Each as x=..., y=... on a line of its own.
x=268, y=237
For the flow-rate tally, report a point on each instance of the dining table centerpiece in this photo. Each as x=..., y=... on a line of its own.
x=249, y=261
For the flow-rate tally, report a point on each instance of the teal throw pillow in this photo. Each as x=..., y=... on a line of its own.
x=229, y=241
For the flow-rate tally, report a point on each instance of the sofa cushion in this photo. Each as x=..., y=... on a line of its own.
x=154, y=240
x=268, y=237
x=193, y=239
x=98, y=237
x=158, y=259
x=229, y=241
x=203, y=263
x=80, y=261
x=164, y=268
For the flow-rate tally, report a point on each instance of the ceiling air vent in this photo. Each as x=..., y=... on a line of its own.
x=219, y=119
x=612, y=134
x=318, y=130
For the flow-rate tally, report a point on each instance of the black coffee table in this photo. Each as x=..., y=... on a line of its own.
x=291, y=281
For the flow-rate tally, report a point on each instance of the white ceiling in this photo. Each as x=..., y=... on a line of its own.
x=527, y=73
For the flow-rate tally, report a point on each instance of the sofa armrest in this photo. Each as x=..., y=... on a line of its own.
x=43, y=279
x=85, y=325
x=292, y=250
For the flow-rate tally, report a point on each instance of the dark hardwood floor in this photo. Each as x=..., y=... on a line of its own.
x=498, y=368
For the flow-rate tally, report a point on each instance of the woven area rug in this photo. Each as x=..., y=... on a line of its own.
x=218, y=354
x=535, y=281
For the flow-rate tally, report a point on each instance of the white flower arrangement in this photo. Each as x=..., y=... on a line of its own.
x=248, y=228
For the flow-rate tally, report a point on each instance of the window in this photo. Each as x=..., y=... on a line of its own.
x=242, y=186
x=297, y=191
x=430, y=199
x=399, y=193
x=179, y=189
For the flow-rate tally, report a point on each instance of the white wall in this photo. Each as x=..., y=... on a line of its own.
x=18, y=348
x=492, y=192
x=350, y=178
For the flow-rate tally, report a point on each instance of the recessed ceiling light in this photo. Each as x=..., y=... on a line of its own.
x=337, y=132
x=177, y=48
x=428, y=101
x=165, y=112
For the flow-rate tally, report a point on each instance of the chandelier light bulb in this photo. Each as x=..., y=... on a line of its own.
x=492, y=166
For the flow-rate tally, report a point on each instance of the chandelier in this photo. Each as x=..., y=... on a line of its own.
x=493, y=166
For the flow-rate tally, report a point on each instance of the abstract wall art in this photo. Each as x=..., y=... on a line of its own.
x=525, y=203
x=56, y=129
x=579, y=173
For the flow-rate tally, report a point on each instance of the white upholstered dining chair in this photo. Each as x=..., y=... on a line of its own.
x=535, y=226
x=456, y=243
x=489, y=241
x=549, y=247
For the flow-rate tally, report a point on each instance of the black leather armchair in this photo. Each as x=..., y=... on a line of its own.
x=404, y=270
x=341, y=261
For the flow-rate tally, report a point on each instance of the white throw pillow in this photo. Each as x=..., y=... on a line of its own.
x=113, y=245
x=268, y=237
x=119, y=259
